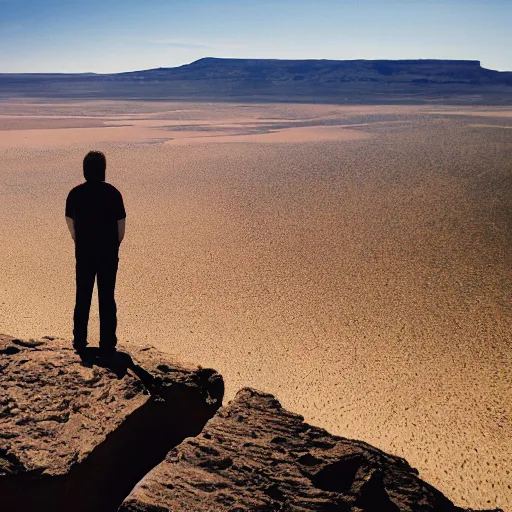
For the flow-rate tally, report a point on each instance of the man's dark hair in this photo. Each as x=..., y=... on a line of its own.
x=95, y=164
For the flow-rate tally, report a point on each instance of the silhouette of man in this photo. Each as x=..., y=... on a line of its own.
x=96, y=218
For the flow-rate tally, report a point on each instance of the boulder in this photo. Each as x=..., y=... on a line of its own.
x=77, y=434
x=255, y=455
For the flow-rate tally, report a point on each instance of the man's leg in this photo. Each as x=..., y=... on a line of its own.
x=107, y=272
x=85, y=275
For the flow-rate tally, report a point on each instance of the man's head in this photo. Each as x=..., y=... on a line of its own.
x=94, y=166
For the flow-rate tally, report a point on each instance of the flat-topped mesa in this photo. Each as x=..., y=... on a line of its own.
x=306, y=81
x=323, y=71
x=255, y=455
x=79, y=435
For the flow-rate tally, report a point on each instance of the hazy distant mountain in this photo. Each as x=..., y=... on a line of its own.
x=325, y=71
x=352, y=81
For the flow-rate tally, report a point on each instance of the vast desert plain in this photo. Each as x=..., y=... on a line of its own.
x=353, y=261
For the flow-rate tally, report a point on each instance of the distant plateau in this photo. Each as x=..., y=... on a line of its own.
x=423, y=81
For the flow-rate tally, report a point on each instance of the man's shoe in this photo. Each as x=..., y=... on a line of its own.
x=79, y=346
x=107, y=353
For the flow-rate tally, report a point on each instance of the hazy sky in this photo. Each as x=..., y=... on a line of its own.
x=122, y=35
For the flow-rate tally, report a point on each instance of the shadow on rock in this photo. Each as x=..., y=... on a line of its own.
x=119, y=363
x=104, y=422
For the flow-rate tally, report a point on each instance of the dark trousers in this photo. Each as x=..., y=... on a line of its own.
x=87, y=270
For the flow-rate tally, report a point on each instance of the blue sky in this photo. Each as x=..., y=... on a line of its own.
x=122, y=35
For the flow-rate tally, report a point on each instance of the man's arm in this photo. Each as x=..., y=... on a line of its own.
x=121, y=225
x=71, y=226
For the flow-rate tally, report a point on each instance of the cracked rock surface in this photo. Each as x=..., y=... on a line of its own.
x=255, y=455
x=144, y=433
x=77, y=435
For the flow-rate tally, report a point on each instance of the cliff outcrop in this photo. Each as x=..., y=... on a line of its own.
x=78, y=435
x=255, y=455
x=144, y=433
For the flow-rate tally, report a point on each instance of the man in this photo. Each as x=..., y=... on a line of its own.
x=96, y=218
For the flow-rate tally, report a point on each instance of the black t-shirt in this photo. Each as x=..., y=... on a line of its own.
x=95, y=207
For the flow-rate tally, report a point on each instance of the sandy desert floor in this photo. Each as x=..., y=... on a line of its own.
x=354, y=261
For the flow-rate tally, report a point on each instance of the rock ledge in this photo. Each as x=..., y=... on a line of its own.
x=144, y=433
x=255, y=455
x=78, y=435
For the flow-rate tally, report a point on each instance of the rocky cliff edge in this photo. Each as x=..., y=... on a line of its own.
x=145, y=433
